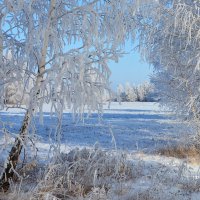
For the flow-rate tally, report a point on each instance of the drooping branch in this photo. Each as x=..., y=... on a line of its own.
x=14, y=154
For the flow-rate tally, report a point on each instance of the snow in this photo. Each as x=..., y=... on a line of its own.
x=139, y=129
x=133, y=125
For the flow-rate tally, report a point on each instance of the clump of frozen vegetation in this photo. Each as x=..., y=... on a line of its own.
x=108, y=175
x=80, y=171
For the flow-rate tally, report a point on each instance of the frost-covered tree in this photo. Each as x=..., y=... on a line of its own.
x=120, y=93
x=179, y=91
x=141, y=93
x=143, y=90
x=59, y=52
x=172, y=43
x=131, y=92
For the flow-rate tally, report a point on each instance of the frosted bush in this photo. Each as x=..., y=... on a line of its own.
x=80, y=171
x=95, y=174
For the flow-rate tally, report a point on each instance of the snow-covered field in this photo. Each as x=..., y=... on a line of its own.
x=137, y=129
x=130, y=126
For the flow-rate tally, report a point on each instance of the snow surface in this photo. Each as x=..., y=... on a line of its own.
x=139, y=129
x=131, y=126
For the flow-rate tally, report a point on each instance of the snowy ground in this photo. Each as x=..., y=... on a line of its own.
x=132, y=126
x=139, y=129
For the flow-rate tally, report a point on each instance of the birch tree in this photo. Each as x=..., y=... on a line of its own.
x=59, y=51
x=131, y=93
x=171, y=42
x=176, y=56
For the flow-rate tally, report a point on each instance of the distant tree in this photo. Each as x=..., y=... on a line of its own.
x=144, y=90
x=141, y=93
x=131, y=93
x=134, y=93
x=120, y=93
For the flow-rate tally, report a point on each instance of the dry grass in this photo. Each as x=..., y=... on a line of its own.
x=79, y=173
x=100, y=175
x=190, y=153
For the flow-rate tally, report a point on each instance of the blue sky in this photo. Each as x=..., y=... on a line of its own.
x=130, y=68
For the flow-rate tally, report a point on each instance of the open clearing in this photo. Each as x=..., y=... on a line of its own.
x=133, y=126
x=138, y=130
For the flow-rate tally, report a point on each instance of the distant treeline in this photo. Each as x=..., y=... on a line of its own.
x=131, y=93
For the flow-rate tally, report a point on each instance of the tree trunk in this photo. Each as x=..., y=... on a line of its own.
x=14, y=154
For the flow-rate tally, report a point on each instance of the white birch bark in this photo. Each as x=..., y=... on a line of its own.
x=14, y=154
